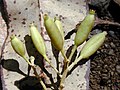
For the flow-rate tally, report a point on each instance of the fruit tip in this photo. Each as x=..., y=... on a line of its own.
x=104, y=32
x=12, y=37
x=45, y=16
x=92, y=11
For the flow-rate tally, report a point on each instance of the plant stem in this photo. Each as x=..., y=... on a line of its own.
x=66, y=66
x=63, y=79
x=63, y=53
x=75, y=62
x=47, y=59
x=43, y=85
x=67, y=70
x=66, y=60
x=27, y=60
x=36, y=74
x=41, y=82
x=72, y=52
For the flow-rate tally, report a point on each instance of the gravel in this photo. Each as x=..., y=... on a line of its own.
x=105, y=65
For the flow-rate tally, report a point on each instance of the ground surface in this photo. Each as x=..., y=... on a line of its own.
x=105, y=64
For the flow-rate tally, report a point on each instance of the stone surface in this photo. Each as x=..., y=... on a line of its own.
x=117, y=1
x=21, y=14
x=3, y=33
x=3, y=36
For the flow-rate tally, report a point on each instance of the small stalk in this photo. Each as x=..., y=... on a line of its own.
x=66, y=66
x=41, y=82
x=66, y=60
x=25, y=58
x=47, y=59
x=66, y=72
x=43, y=85
x=63, y=79
x=36, y=74
x=65, y=57
x=72, y=52
x=75, y=62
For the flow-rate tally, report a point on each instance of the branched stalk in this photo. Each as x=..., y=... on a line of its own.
x=72, y=52
x=67, y=70
x=66, y=60
x=43, y=85
x=75, y=62
x=47, y=59
x=36, y=74
x=63, y=79
x=63, y=53
x=67, y=64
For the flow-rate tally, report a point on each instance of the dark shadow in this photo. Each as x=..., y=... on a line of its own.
x=5, y=16
x=106, y=9
x=68, y=36
x=81, y=62
x=31, y=50
x=70, y=33
x=41, y=65
x=1, y=84
x=68, y=54
x=92, y=57
x=114, y=9
x=3, y=10
x=39, y=60
x=12, y=65
x=101, y=8
x=28, y=83
x=56, y=55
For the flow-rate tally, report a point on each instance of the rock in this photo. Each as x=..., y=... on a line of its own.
x=101, y=7
x=23, y=12
x=118, y=68
x=105, y=76
x=117, y=1
x=112, y=45
x=111, y=52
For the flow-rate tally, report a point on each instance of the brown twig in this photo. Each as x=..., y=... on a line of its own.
x=108, y=22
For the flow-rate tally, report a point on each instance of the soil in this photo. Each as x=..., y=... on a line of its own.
x=105, y=63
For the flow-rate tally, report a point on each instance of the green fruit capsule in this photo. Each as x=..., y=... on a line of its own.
x=93, y=44
x=17, y=46
x=59, y=25
x=85, y=28
x=37, y=40
x=54, y=33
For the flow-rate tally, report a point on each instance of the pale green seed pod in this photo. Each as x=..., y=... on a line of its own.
x=54, y=33
x=37, y=40
x=17, y=46
x=92, y=45
x=85, y=28
x=60, y=27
